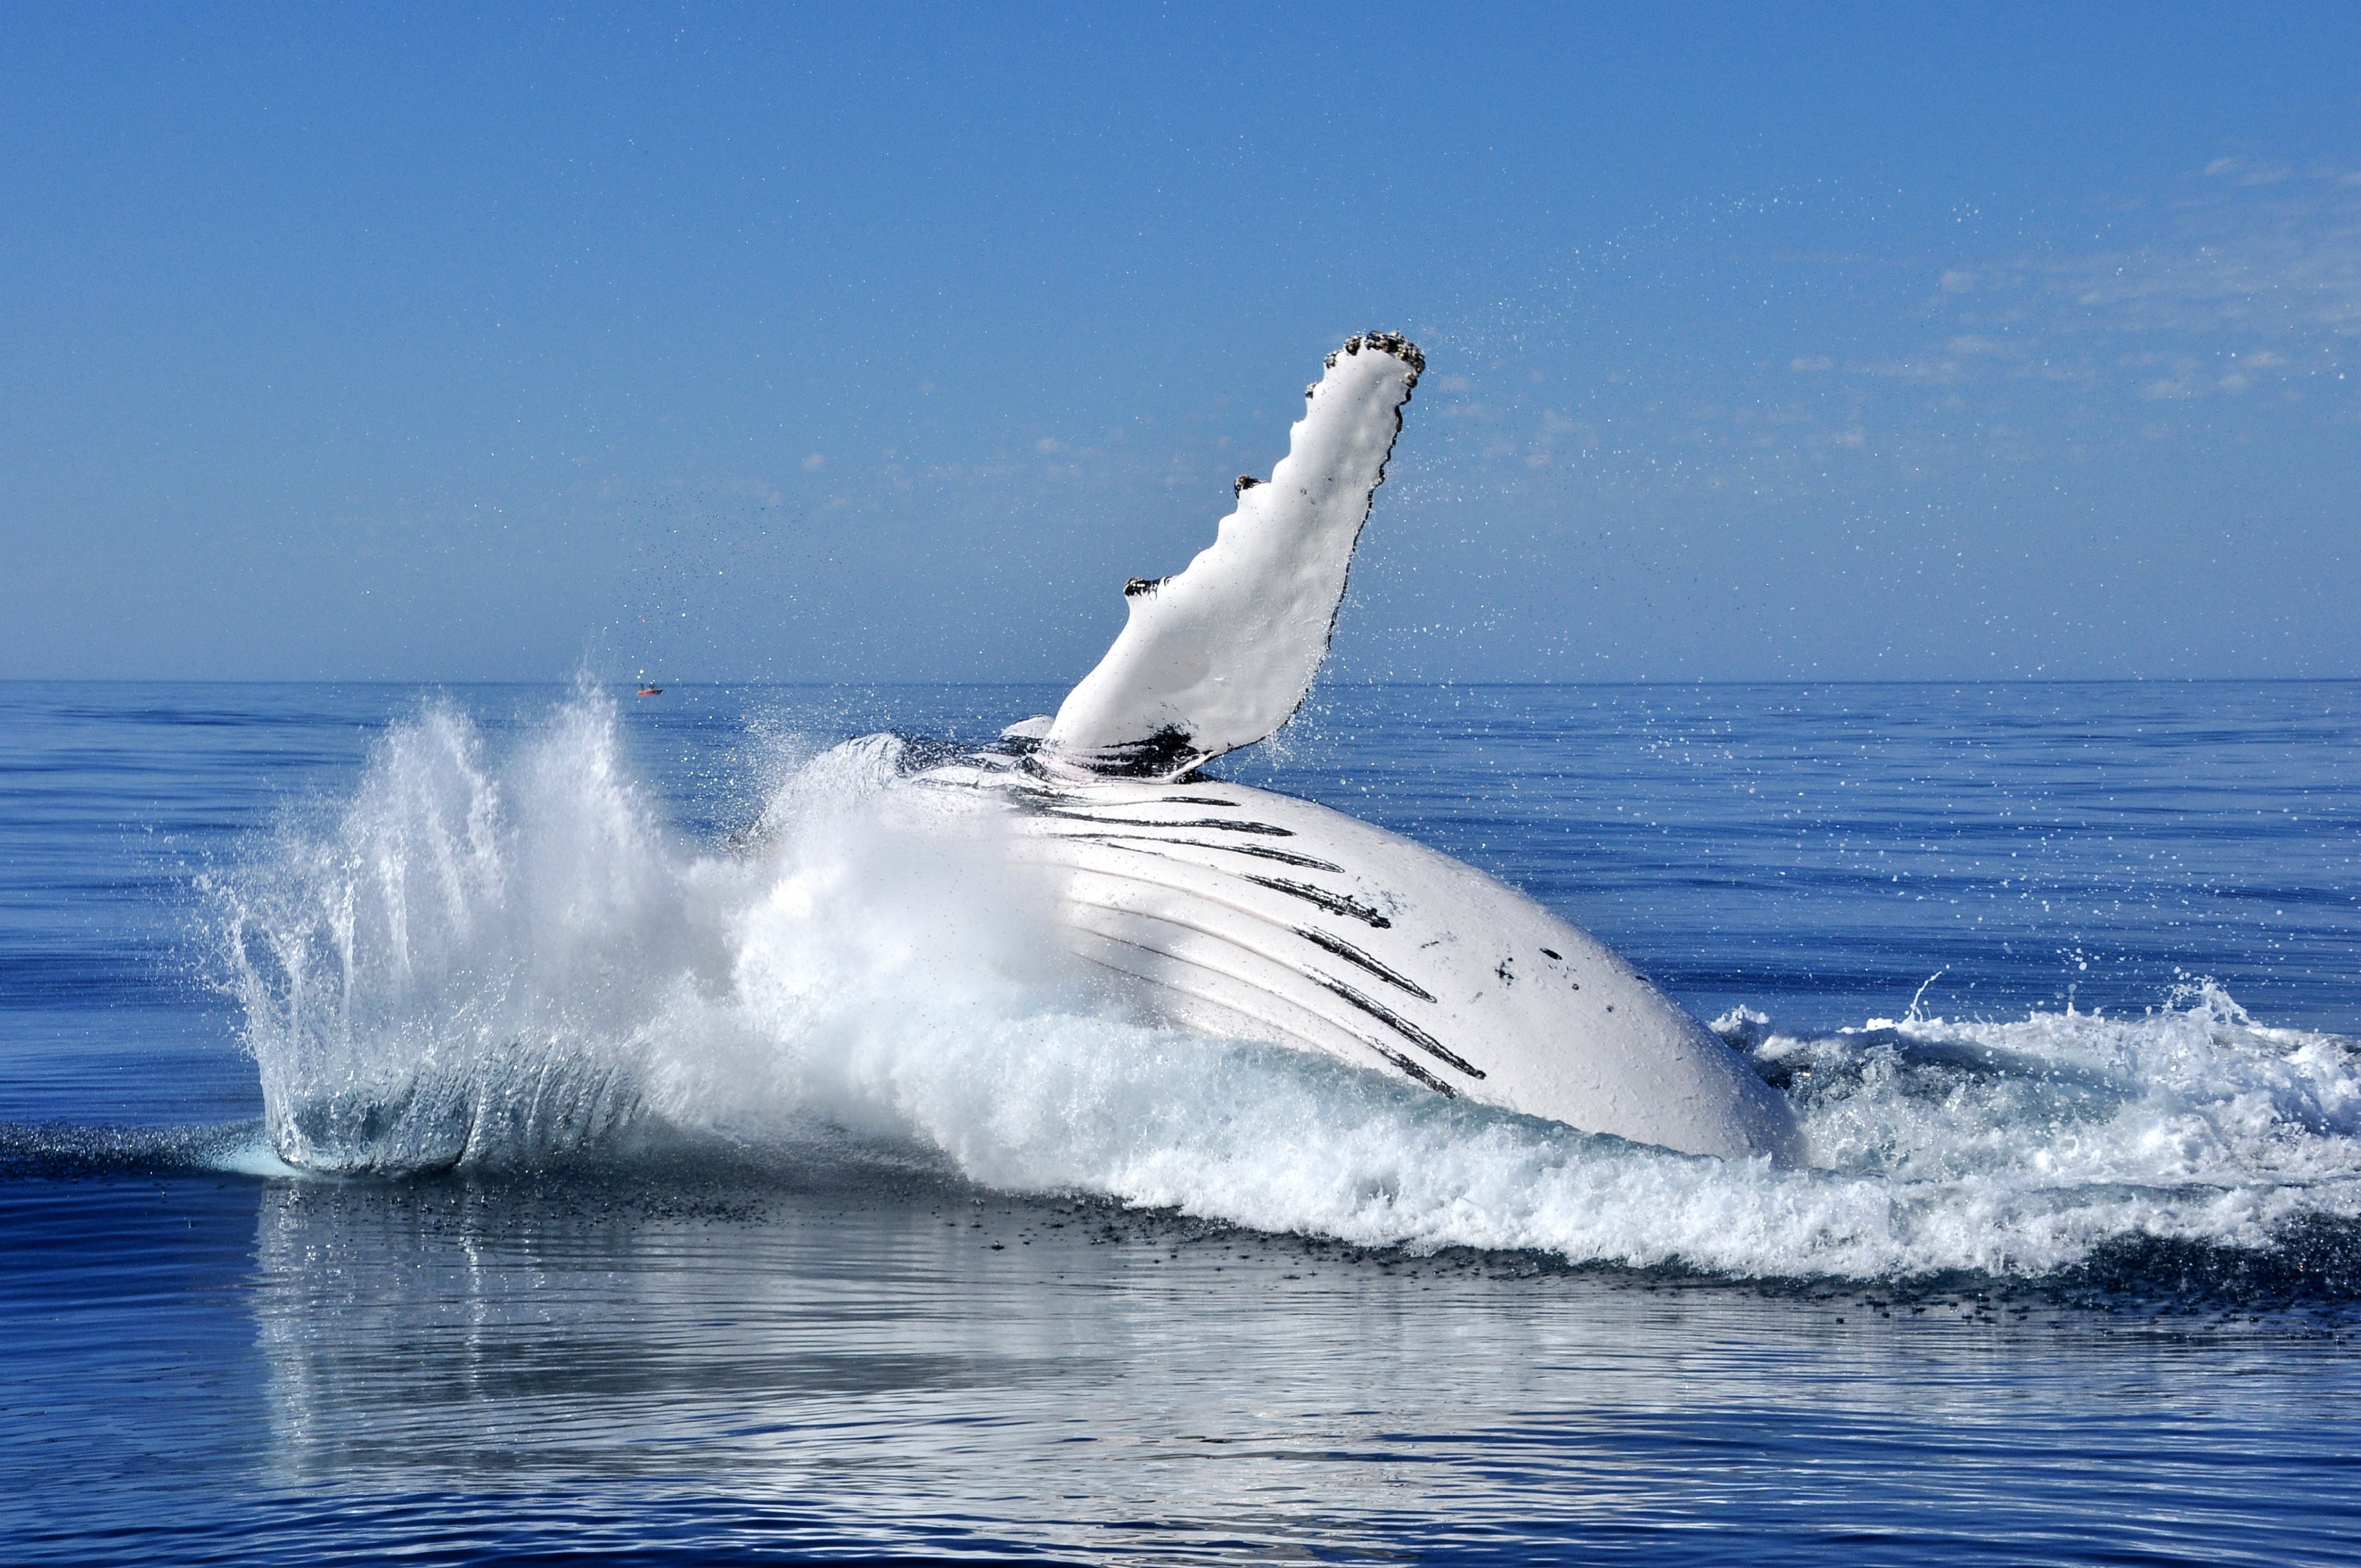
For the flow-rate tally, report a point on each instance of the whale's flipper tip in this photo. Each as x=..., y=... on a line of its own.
x=1392, y=343
x=1220, y=655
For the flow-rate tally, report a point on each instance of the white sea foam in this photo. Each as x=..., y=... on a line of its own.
x=480, y=961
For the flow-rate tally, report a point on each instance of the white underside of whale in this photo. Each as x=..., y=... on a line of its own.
x=1245, y=915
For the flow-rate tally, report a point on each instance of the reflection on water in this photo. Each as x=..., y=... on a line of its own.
x=848, y=1358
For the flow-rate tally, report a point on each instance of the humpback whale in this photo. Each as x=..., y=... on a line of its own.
x=1247, y=913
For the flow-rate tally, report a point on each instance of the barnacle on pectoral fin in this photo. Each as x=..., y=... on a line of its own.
x=1392, y=343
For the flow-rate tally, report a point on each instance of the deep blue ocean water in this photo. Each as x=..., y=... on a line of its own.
x=767, y=1240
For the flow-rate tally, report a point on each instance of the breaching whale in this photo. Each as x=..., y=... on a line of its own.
x=1242, y=913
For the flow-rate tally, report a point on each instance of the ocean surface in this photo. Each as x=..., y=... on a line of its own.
x=673, y=1202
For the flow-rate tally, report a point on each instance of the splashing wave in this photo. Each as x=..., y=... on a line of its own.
x=487, y=963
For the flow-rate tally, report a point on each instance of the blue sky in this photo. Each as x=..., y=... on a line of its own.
x=441, y=343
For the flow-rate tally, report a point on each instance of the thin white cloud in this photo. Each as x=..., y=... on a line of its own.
x=2282, y=263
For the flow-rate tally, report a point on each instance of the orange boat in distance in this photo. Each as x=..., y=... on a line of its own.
x=647, y=690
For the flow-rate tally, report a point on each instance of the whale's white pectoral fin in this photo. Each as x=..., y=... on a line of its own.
x=1221, y=654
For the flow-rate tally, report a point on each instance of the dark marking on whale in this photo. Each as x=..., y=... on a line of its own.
x=1133, y=587
x=1084, y=803
x=1166, y=756
x=1263, y=828
x=1263, y=852
x=1245, y=482
x=1413, y=1069
x=1506, y=971
x=1259, y=851
x=1353, y=954
x=1396, y=1021
x=1553, y=953
x=1333, y=903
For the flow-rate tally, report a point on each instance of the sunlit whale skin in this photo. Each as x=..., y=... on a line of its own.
x=1250, y=915
x=1245, y=913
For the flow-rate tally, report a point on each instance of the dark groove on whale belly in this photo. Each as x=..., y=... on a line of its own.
x=1410, y=1068
x=1415, y=1070
x=1264, y=828
x=1353, y=954
x=1394, y=1021
x=1333, y=903
x=1261, y=852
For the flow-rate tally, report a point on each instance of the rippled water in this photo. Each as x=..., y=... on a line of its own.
x=774, y=1229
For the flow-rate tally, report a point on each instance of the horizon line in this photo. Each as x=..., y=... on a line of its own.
x=414, y=683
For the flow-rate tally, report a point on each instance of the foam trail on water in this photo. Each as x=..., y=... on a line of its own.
x=482, y=961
